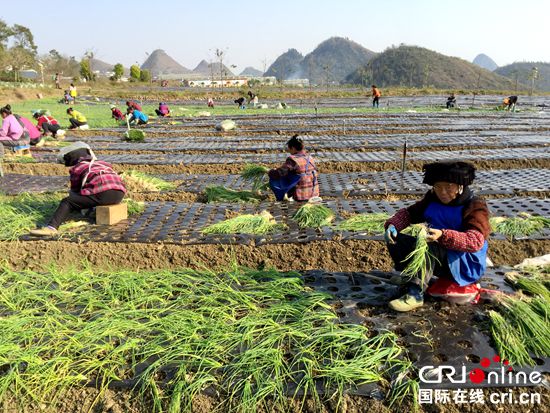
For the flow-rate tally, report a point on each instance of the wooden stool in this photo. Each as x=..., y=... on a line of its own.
x=111, y=214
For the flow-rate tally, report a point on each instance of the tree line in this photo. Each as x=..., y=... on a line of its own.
x=19, y=52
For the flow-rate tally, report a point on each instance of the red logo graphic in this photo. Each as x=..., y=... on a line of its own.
x=477, y=375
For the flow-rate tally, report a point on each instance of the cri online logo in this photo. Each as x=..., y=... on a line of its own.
x=502, y=375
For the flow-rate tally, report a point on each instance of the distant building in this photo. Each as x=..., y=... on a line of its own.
x=296, y=82
x=28, y=74
x=229, y=82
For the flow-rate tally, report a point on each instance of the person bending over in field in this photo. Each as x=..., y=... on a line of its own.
x=47, y=124
x=297, y=177
x=137, y=117
x=93, y=183
x=457, y=232
x=240, y=102
x=132, y=104
x=117, y=114
x=509, y=103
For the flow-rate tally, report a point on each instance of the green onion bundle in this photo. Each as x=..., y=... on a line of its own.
x=134, y=135
x=371, y=223
x=533, y=286
x=136, y=181
x=256, y=175
x=521, y=226
x=528, y=324
x=313, y=216
x=219, y=193
x=259, y=224
x=510, y=345
x=420, y=259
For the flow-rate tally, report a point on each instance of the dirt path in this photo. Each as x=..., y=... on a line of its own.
x=334, y=255
x=235, y=168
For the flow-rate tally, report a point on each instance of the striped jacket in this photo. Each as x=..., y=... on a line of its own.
x=99, y=178
x=301, y=164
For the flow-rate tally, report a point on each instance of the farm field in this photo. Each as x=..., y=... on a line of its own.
x=157, y=314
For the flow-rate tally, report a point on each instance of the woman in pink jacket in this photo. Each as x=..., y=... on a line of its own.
x=13, y=132
x=34, y=133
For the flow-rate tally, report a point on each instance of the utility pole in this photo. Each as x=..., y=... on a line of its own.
x=219, y=55
x=533, y=77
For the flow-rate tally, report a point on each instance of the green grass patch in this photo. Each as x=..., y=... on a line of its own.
x=248, y=335
x=313, y=215
x=134, y=207
x=20, y=159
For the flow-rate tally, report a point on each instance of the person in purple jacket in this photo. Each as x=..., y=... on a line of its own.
x=13, y=132
x=163, y=110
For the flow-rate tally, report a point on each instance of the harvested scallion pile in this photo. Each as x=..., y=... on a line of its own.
x=534, y=287
x=134, y=135
x=218, y=193
x=529, y=325
x=313, y=215
x=261, y=223
x=522, y=225
x=510, y=345
x=256, y=174
x=19, y=214
x=136, y=181
x=242, y=334
x=370, y=223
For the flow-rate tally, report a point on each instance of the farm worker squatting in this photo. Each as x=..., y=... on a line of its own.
x=297, y=177
x=163, y=110
x=47, y=124
x=458, y=225
x=93, y=183
x=77, y=119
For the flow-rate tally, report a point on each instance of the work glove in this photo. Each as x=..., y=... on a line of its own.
x=391, y=234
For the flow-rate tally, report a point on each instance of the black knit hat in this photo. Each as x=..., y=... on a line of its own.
x=456, y=172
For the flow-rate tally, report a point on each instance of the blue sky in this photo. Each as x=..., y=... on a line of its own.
x=254, y=31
